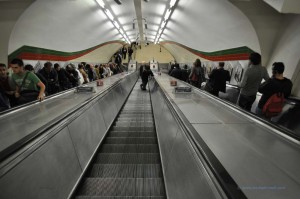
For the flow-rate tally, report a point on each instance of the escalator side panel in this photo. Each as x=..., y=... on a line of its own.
x=85, y=143
x=50, y=166
x=44, y=174
x=185, y=176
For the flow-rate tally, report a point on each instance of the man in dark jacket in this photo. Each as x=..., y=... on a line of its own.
x=145, y=75
x=142, y=68
x=176, y=72
x=218, y=78
x=130, y=51
x=276, y=84
x=51, y=76
x=63, y=79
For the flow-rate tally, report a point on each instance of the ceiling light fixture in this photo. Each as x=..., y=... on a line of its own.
x=167, y=14
x=101, y=3
x=162, y=26
x=110, y=16
x=116, y=24
x=172, y=3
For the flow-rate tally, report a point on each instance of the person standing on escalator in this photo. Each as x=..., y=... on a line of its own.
x=145, y=76
x=251, y=81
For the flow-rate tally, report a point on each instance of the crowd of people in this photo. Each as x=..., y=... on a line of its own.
x=25, y=85
x=250, y=84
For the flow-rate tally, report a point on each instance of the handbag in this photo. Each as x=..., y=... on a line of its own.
x=194, y=77
x=28, y=96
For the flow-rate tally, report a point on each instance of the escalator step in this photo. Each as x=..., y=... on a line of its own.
x=122, y=187
x=137, y=108
x=129, y=158
x=136, y=111
x=132, y=134
x=125, y=171
x=129, y=148
x=119, y=128
x=120, y=197
x=130, y=140
x=134, y=124
x=135, y=116
x=127, y=119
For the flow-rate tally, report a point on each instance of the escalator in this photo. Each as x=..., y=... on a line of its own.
x=128, y=162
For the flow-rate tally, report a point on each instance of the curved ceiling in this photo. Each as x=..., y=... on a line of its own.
x=77, y=25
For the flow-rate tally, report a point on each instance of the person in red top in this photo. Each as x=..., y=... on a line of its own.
x=278, y=83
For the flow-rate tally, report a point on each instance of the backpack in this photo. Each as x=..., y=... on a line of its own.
x=274, y=105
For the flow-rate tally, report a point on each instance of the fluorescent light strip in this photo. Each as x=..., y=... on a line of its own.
x=164, y=21
x=172, y=3
x=108, y=13
x=111, y=17
x=116, y=24
x=167, y=14
x=101, y=3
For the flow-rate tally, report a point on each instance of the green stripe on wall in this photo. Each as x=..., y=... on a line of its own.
x=44, y=51
x=231, y=51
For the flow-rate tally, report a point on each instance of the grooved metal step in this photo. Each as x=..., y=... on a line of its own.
x=127, y=158
x=132, y=134
x=131, y=140
x=127, y=166
x=129, y=148
x=122, y=187
x=126, y=171
x=134, y=124
x=120, y=197
x=133, y=119
x=135, y=116
x=132, y=129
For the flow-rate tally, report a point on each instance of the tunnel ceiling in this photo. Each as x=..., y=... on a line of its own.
x=77, y=25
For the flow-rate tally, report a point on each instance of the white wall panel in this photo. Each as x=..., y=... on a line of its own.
x=287, y=49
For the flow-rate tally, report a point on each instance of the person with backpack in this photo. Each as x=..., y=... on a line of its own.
x=196, y=76
x=274, y=91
